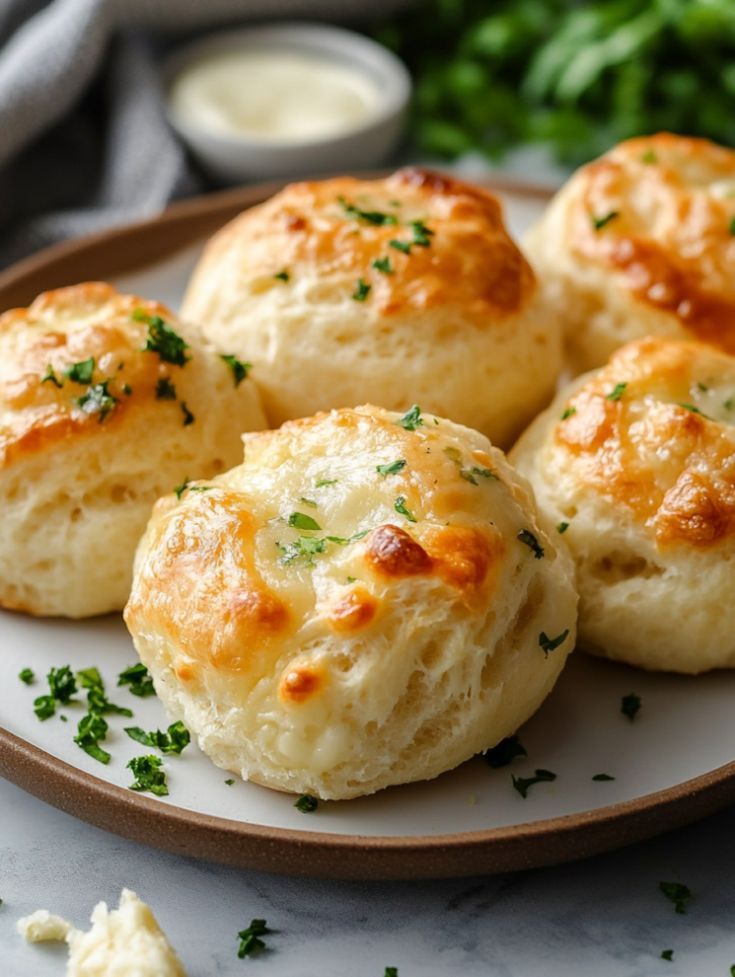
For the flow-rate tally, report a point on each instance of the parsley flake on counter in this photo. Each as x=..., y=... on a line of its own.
x=148, y=775
x=375, y=217
x=137, y=678
x=403, y=246
x=472, y=474
x=50, y=377
x=391, y=469
x=568, y=412
x=679, y=894
x=162, y=339
x=548, y=644
x=165, y=390
x=174, y=740
x=188, y=416
x=239, y=367
x=602, y=776
x=249, y=938
x=325, y=482
x=307, y=803
x=91, y=730
x=27, y=676
x=421, y=234
x=528, y=539
x=522, y=784
x=411, y=419
x=506, y=751
x=383, y=265
x=617, y=391
x=301, y=521
x=97, y=400
x=562, y=527
x=630, y=705
x=599, y=222
x=282, y=276
x=362, y=290
x=81, y=372
x=669, y=955
x=400, y=506
x=229, y=781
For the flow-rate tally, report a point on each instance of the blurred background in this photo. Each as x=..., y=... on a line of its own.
x=531, y=87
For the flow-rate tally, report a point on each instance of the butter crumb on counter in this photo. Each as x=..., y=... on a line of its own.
x=123, y=942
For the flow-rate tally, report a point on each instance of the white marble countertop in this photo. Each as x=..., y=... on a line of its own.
x=603, y=917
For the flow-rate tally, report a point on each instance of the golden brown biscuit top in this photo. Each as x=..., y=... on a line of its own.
x=331, y=524
x=78, y=358
x=659, y=212
x=413, y=241
x=653, y=431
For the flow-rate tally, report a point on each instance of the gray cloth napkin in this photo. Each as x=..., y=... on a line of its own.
x=84, y=143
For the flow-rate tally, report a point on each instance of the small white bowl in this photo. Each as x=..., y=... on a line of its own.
x=233, y=158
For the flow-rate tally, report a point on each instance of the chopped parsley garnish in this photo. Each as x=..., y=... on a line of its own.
x=400, y=506
x=250, y=941
x=649, y=156
x=229, y=781
x=403, y=246
x=174, y=740
x=599, y=222
x=62, y=684
x=411, y=419
x=732, y=225
x=182, y=487
x=345, y=540
x=301, y=521
x=92, y=729
x=421, y=234
x=506, y=750
x=702, y=386
x=362, y=290
x=81, y=372
x=603, y=776
x=309, y=502
x=238, y=367
x=630, y=705
x=304, y=548
x=669, y=955
x=375, y=217
x=127, y=389
x=97, y=701
x=50, y=377
x=679, y=894
x=97, y=400
x=391, y=972
x=165, y=390
x=44, y=706
x=383, y=265
x=729, y=403
x=27, y=675
x=522, y=784
x=149, y=775
x=162, y=339
x=472, y=474
x=391, y=469
x=324, y=482
x=695, y=410
x=307, y=803
x=138, y=680
x=562, y=527
x=282, y=276
x=528, y=539
x=568, y=412
x=548, y=644
x=617, y=391
x=188, y=416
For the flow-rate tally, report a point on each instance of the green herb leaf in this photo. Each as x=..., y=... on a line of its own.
x=127, y=389
x=188, y=416
x=412, y=419
x=391, y=972
x=630, y=705
x=174, y=740
x=181, y=488
x=522, y=784
x=97, y=701
x=383, y=265
x=162, y=339
x=548, y=644
x=649, y=157
x=44, y=706
x=50, y=377
x=345, y=540
x=239, y=367
x=165, y=390
x=309, y=502
x=506, y=751
x=669, y=955
x=27, y=675
x=617, y=391
x=375, y=217
x=562, y=527
x=307, y=803
x=695, y=410
x=229, y=781
x=300, y=520
x=97, y=400
x=325, y=482
x=305, y=548
x=62, y=684
x=599, y=222
x=282, y=276
x=249, y=938
x=81, y=372
x=400, y=506
x=421, y=234
x=92, y=729
x=138, y=680
x=568, y=412
x=472, y=474
x=602, y=776
x=529, y=539
x=403, y=246
x=679, y=894
x=391, y=469
x=149, y=775
x=362, y=290
x=732, y=225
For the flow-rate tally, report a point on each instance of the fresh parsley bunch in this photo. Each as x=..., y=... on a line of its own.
x=578, y=76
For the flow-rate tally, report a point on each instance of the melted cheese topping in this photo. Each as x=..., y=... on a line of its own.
x=663, y=444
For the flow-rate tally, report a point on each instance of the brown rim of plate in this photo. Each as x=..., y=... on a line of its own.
x=308, y=853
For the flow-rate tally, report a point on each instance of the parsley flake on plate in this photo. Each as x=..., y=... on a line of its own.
x=548, y=644
x=602, y=777
x=97, y=701
x=174, y=740
x=138, y=679
x=27, y=676
x=412, y=419
x=506, y=751
x=669, y=955
x=92, y=729
x=522, y=784
x=529, y=539
x=307, y=803
x=391, y=972
x=630, y=705
x=391, y=469
x=165, y=390
x=250, y=938
x=300, y=520
x=239, y=367
x=149, y=775
x=162, y=339
x=81, y=372
x=44, y=706
x=678, y=893
x=229, y=781
x=400, y=506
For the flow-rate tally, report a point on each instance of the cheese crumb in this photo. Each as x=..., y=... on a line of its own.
x=43, y=927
